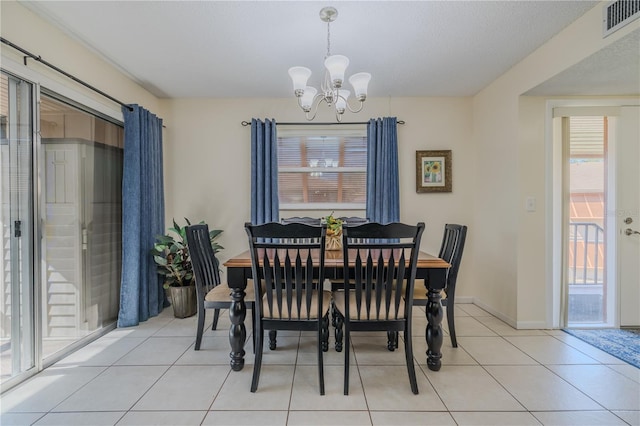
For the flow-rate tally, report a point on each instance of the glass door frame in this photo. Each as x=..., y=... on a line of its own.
x=48, y=82
x=30, y=294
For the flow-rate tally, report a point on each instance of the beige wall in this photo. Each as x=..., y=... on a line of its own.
x=207, y=161
x=509, y=247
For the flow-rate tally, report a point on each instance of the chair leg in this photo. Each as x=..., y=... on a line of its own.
x=325, y=333
x=411, y=369
x=339, y=324
x=450, y=321
x=392, y=340
x=257, y=363
x=347, y=337
x=320, y=349
x=216, y=315
x=253, y=321
x=272, y=339
x=201, y=317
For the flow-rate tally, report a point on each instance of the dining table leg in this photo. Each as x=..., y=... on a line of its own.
x=435, y=281
x=238, y=331
x=434, y=329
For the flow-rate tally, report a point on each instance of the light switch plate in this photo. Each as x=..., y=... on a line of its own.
x=530, y=204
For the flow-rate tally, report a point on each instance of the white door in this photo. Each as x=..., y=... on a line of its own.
x=628, y=214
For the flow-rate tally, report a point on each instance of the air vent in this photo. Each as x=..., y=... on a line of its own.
x=619, y=13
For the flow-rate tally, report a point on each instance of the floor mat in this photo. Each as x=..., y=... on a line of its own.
x=623, y=344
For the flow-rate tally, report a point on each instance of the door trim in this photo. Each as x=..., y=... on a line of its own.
x=554, y=203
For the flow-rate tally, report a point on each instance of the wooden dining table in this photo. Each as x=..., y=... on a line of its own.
x=431, y=269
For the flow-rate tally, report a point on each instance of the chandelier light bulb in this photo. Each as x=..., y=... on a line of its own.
x=336, y=65
x=299, y=76
x=342, y=97
x=307, y=98
x=360, y=82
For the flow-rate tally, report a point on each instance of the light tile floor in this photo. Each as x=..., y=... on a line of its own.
x=150, y=375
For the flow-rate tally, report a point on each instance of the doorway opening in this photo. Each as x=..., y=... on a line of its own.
x=588, y=241
x=595, y=268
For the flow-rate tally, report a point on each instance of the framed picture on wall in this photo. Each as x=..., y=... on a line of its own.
x=433, y=171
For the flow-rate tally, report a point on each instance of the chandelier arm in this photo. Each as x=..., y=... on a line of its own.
x=346, y=101
x=355, y=110
x=306, y=115
x=315, y=103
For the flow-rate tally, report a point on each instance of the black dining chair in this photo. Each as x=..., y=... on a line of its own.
x=380, y=262
x=353, y=220
x=288, y=274
x=301, y=219
x=210, y=291
x=451, y=251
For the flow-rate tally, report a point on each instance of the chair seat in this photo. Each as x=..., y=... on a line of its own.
x=339, y=299
x=419, y=292
x=326, y=304
x=420, y=297
x=222, y=293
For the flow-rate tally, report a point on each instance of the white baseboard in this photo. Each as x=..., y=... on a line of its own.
x=532, y=325
x=464, y=299
x=495, y=313
x=519, y=325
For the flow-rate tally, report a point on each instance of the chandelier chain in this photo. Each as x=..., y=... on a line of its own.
x=328, y=39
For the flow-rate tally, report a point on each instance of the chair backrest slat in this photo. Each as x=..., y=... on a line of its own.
x=268, y=279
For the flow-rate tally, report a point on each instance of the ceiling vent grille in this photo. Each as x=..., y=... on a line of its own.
x=619, y=13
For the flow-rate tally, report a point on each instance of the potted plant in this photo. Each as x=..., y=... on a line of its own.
x=171, y=254
x=334, y=233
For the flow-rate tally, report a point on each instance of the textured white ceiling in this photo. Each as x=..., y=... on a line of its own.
x=614, y=70
x=244, y=48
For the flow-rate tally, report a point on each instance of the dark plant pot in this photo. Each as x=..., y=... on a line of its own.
x=183, y=300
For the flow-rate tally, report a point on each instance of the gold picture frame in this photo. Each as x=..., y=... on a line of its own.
x=433, y=171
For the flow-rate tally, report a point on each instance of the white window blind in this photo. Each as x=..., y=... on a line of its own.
x=322, y=168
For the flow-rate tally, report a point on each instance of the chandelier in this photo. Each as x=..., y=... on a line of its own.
x=331, y=90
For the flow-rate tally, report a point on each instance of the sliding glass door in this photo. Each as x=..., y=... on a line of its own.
x=61, y=222
x=82, y=219
x=17, y=316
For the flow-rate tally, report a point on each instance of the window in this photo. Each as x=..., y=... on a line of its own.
x=322, y=169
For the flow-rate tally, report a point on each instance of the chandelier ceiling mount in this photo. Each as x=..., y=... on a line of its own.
x=331, y=90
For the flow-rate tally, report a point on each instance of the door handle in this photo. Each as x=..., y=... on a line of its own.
x=630, y=231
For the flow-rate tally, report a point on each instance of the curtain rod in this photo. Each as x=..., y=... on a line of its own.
x=66, y=74
x=248, y=123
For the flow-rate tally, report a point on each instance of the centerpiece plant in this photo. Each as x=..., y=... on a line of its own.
x=334, y=232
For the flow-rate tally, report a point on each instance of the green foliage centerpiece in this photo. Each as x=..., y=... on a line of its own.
x=334, y=233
